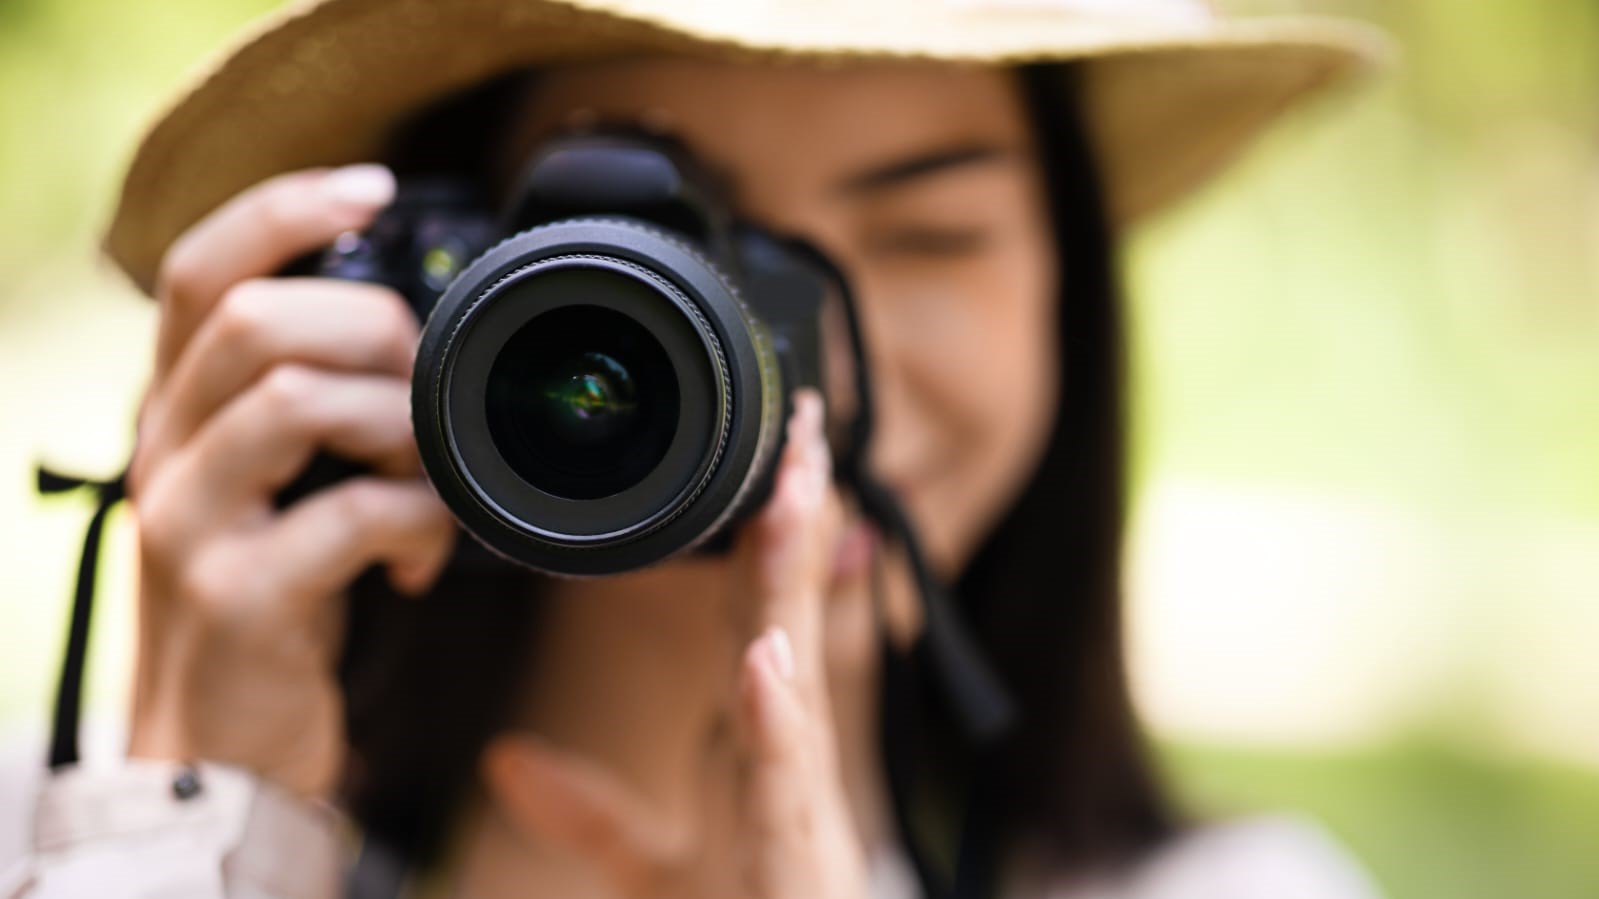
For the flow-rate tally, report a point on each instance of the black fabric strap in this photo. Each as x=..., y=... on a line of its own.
x=69, y=689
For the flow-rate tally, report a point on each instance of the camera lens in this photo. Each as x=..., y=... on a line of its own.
x=592, y=395
x=582, y=402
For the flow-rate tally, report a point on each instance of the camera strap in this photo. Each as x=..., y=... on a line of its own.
x=69, y=688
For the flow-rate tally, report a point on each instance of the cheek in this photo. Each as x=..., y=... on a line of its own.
x=977, y=361
x=1004, y=392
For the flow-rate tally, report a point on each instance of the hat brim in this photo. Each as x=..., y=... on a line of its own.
x=325, y=83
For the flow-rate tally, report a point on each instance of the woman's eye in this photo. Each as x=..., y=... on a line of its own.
x=927, y=241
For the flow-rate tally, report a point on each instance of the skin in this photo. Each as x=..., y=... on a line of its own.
x=703, y=728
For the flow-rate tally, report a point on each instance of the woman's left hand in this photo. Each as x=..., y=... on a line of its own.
x=775, y=823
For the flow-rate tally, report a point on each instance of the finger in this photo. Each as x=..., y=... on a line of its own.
x=339, y=325
x=256, y=234
x=571, y=803
x=772, y=721
x=784, y=556
x=263, y=438
x=793, y=817
x=331, y=536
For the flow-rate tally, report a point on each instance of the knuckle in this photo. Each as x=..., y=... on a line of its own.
x=210, y=586
x=243, y=314
x=786, y=513
x=360, y=502
x=158, y=532
x=183, y=268
x=395, y=324
x=287, y=392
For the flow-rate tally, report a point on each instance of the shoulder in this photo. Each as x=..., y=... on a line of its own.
x=1275, y=857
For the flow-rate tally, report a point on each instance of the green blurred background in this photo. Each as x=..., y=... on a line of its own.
x=1365, y=561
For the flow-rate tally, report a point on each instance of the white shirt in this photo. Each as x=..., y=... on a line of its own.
x=133, y=830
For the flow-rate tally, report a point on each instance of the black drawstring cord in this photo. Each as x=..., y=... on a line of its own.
x=69, y=691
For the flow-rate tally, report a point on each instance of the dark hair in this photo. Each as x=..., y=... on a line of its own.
x=1071, y=786
x=1043, y=594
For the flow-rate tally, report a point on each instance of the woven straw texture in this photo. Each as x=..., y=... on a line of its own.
x=1172, y=93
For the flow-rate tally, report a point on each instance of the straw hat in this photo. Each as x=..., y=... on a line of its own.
x=1173, y=92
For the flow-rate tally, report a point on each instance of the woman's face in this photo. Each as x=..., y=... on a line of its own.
x=921, y=182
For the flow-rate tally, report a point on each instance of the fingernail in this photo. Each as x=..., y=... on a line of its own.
x=820, y=455
x=810, y=413
x=782, y=652
x=365, y=184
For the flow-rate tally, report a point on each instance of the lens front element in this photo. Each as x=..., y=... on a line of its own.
x=583, y=402
x=589, y=399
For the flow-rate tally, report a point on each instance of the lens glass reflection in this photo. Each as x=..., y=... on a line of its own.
x=582, y=402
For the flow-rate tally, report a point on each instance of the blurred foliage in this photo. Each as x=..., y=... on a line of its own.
x=78, y=79
x=1440, y=235
x=1396, y=297
x=1429, y=820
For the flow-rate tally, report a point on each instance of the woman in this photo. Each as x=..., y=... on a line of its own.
x=745, y=724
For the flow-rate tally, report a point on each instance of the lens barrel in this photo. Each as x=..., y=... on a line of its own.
x=592, y=395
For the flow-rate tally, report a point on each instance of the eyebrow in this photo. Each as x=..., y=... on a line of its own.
x=921, y=165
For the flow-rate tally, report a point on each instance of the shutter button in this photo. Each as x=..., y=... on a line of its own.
x=186, y=785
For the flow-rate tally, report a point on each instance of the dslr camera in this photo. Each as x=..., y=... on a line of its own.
x=606, y=365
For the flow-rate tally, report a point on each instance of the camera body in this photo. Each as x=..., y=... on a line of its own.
x=605, y=367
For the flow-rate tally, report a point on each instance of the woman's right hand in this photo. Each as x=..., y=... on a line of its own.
x=239, y=610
